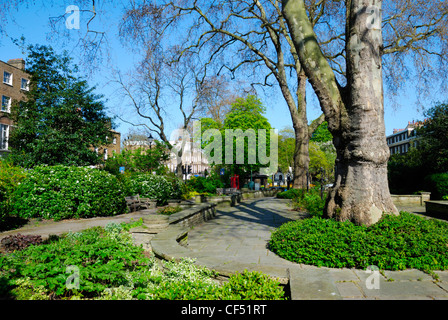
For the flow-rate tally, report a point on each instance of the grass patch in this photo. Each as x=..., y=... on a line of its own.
x=394, y=243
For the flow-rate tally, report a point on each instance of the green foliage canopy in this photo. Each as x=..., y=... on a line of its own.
x=62, y=119
x=245, y=114
x=140, y=160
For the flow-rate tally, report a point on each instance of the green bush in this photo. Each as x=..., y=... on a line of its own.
x=437, y=184
x=309, y=201
x=110, y=268
x=104, y=256
x=204, y=185
x=152, y=186
x=251, y=286
x=60, y=192
x=393, y=243
x=10, y=178
x=169, y=210
x=291, y=194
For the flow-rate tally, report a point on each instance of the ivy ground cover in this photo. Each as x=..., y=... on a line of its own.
x=394, y=243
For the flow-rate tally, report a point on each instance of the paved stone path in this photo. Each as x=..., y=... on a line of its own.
x=237, y=239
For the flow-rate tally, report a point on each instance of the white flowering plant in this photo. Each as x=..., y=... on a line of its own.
x=63, y=192
x=151, y=186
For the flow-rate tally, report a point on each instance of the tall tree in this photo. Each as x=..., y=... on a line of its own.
x=62, y=119
x=239, y=150
x=355, y=113
x=286, y=147
x=159, y=90
x=433, y=138
x=228, y=36
x=253, y=38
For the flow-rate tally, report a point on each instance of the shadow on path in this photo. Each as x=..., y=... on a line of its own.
x=270, y=212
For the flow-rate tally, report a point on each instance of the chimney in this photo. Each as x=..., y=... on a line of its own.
x=18, y=63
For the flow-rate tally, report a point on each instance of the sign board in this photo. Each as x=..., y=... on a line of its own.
x=222, y=171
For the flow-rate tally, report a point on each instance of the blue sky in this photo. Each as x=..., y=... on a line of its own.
x=33, y=24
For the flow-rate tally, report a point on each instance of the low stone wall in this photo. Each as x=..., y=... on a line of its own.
x=411, y=200
x=437, y=207
x=193, y=216
x=168, y=244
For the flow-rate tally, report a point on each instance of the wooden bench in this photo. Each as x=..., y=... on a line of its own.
x=136, y=203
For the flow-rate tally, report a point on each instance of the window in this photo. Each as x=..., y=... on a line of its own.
x=4, y=134
x=114, y=141
x=6, y=104
x=7, y=78
x=25, y=84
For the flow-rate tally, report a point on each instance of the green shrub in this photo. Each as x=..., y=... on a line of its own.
x=111, y=267
x=309, y=201
x=105, y=258
x=205, y=185
x=437, y=184
x=10, y=178
x=59, y=192
x=393, y=243
x=251, y=286
x=291, y=194
x=152, y=186
x=169, y=210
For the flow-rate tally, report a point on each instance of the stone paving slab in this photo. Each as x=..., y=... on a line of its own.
x=308, y=284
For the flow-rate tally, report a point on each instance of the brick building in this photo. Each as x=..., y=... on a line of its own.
x=401, y=140
x=13, y=85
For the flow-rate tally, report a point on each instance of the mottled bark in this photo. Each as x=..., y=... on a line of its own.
x=300, y=125
x=355, y=114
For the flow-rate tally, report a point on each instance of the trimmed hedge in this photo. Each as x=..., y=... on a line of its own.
x=61, y=192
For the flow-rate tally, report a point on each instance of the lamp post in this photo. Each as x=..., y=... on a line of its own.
x=150, y=140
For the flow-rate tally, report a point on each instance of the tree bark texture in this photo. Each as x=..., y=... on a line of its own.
x=355, y=114
x=300, y=125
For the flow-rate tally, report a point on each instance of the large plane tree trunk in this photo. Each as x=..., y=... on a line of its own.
x=355, y=114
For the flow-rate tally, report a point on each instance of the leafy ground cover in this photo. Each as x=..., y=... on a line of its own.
x=108, y=266
x=394, y=243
